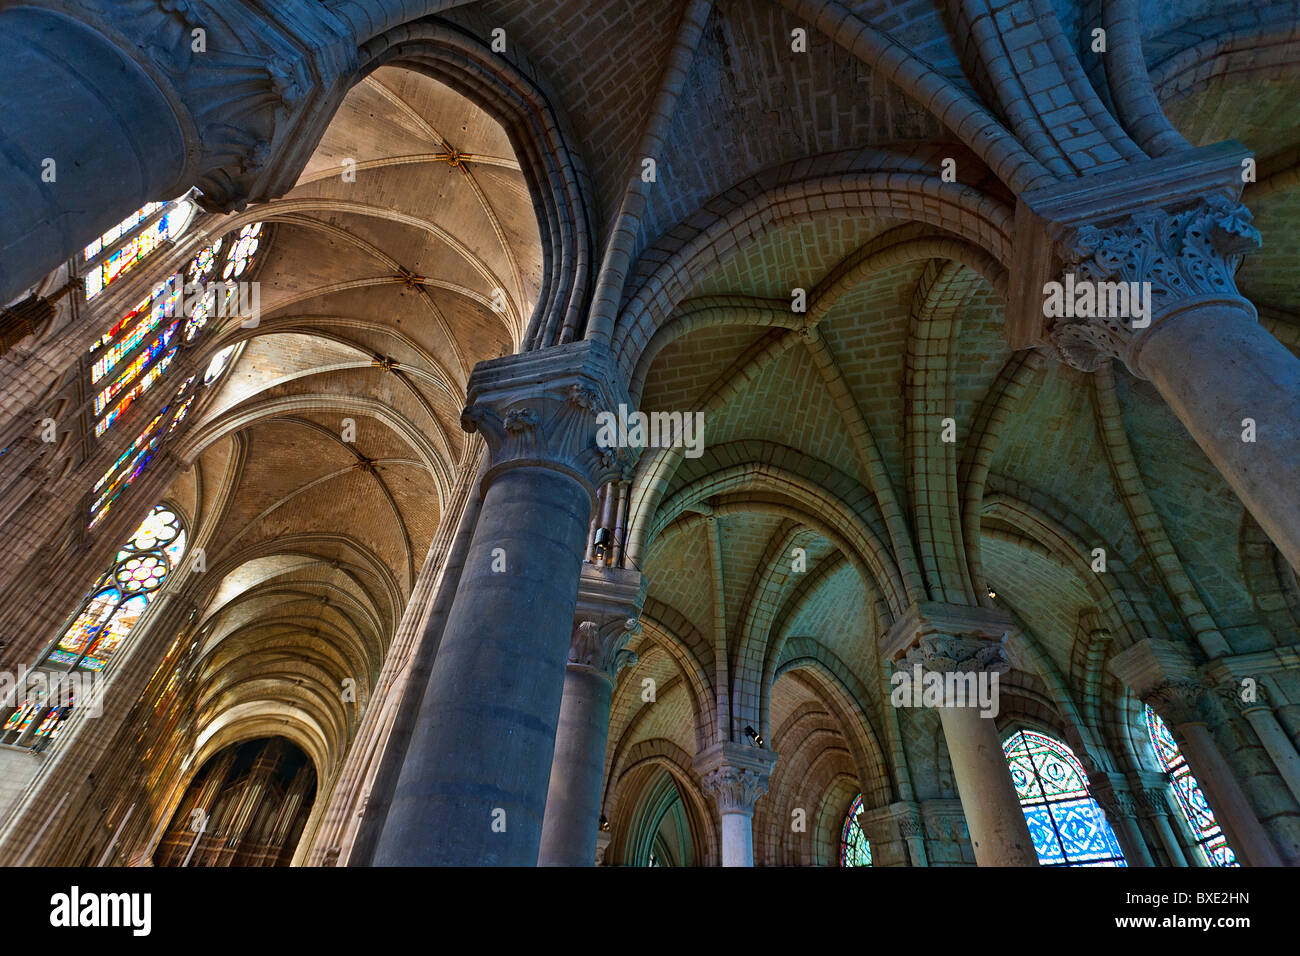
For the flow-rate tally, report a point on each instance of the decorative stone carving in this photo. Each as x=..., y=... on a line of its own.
x=540, y=409
x=1183, y=255
x=735, y=775
x=1230, y=692
x=943, y=654
x=909, y=827
x=253, y=92
x=1151, y=803
x=604, y=648
x=1116, y=802
x=1177, y=701
x=735, y=789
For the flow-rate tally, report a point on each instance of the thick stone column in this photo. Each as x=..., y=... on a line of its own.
x=1173, y=230
x=235, y=108
x=1162, y=675
x=608, y=603
x=736, y=776
x=473, y=788
x=945, y=640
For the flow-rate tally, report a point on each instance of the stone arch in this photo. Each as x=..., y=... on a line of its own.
x=556, y=177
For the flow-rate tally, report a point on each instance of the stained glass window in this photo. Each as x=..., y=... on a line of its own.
x=22, y=718
x=218, y=365
x=144, y=342
x=127, y=468
x=120, y=597
x=199, y=272
x=1191, y=799
x=136, y=353
x=855, y=850
x=244, y=250
x=135, y=249
x=125, y=226
x=1066, y=824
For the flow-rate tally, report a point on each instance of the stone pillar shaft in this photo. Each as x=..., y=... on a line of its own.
x=994, y=817
x=473, y=788
x=569, y=829
x=1277, y=744
x=738, y=838
x=1220, y=371
x=1245, y=834
x=487, y=726
x=608, y=604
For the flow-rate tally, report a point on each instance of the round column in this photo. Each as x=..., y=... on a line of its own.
x=1275, y=742
x=473, y=787
x=570, y=826
x=1173, y=315
x=106, y=106
x=736, y=776
x=1155, y=807
x=72, y=162
x=998, y=831
x=1225, y=376
x=1121, y=812
x=472, y=790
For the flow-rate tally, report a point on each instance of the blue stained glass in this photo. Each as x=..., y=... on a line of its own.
x=1041, y=832
x=1067, y=826
x=1188, y=793
x=1085, y=833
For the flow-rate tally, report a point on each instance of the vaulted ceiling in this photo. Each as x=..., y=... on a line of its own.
x=407, y=253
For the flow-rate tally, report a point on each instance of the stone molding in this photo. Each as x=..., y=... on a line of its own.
x=539, y=409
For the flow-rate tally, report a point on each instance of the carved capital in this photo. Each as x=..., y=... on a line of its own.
x=1244, y=699
x=1151, y=802
x=944, y=635
x=1178, y=256
x=1177, y=701
x=909, y=826
x=540, y=409
x=1118, y=802
x=735, y=775
x=945, y=654
x=736, y=790
x=604, y=648
x=253, y=84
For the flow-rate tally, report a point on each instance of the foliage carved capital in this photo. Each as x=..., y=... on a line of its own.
x=540, y=409
x=1165, y=260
